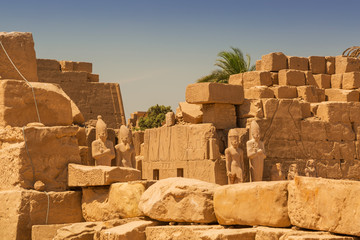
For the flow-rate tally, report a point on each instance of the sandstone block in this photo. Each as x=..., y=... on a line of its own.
x=309, y=78
x=223, y=116
x=305, y=109
x=336, y=80
x=258, y=92
x=285, y=91
x=321, y=94
x=23, y=209
x=317, y=64
x=339, y=132
x=256, y=78
x=333, y=112
x=83, y=67
x=267, y=233
x=313, y=130
x=312, y=236
x=181, y=232
x=289, y=109
x=274, y=61
x=324, y=204
x=84, y=176
x=138, y=140
x=346, y=64
x=342, y=95
x=258, y=65
x=351, y=80
x=298, y=63
x=245, y=204
x=48, y=65
x=80, y=231
x=46, y=232
x=51, y=149
x=20, y=48
x=19, y=106
x=291, y=77
x=93, y=77
x=214, y=93
x=236, y=79
x=191, y=113
x=308, y=93
x=274, y=78
x=179, y=200
x=250, y=108
x=330, y=65
x=120, y=200
x=131, y=230
x=322, y=80
x=77, y=116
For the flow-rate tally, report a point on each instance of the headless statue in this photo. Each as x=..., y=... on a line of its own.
x=276, y=172
x=125, y=151
x=102, y=149
x=256, y=153
x=293, y=171
x=310, y=170
x=234, y=159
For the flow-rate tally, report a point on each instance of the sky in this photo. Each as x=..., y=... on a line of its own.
x=154, y=49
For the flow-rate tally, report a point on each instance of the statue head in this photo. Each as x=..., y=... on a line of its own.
x=293, y=168
x=233, y=138
x=278, y=166
x=101, y=129
x=125, y=135
x=255, y=131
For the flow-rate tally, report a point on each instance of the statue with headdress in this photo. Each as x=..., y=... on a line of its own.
x=256, y=153
x=234, y=156
x=102, y=149
x=310, y=170
x=125, y=151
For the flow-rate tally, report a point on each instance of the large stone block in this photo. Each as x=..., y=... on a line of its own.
x=19, y=106
x=336, y=80
x=179, y=200
x=342, y=95
x=324, y=204
x=291, y=77
x=298, y=63
x=222, y=116
x=191, y=113
x=267, y=233
x=80, y=231
x=346, y=64
x=317, y=64
x=308, y=93
x=20, y=48
x=333, y=112
x=76, y=66
x=285, y=91
x=46, y=232
x=322, y=80
x=120, y=200
x=330, y=65
x=256, y=78
x=50, y=150
x=214, y=93
x=256, y=203
x=351, y=80
x=250, y=108
x=274, y=61
x=48, y=65
x=313, y=130
x=258, y=92
x=22, y=209
x=85, y=176
x=237, y=79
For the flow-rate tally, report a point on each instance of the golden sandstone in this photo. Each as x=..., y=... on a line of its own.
x=268, y=156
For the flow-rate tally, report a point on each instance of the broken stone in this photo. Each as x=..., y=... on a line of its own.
x=274, y=78
x=79, y=231
x=308, y=93
x=342, y=95
x=336, y=80
x=179, y=200
x=298, y=63
x=46, y=232
x=199, y=93
x=170, y=119
x=291, y=77
x=223, y=116
x=285, y=91
x=258, y=92
x=330, y=65
x=236, y=79
x=244, y=204
x=256, y=78
x=274, y=61
x=351, y=80
x=191, y=113
x=250, y=108
x=322, y=80
x=346, y=64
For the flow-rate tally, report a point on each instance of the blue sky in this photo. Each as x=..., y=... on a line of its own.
x=154, y=49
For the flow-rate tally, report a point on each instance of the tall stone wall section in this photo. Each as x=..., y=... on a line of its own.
x=83, y=87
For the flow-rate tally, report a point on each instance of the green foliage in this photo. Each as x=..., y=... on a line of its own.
x=155, y=117
x=229, y=62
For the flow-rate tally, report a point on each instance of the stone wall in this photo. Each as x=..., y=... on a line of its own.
x=83, y=87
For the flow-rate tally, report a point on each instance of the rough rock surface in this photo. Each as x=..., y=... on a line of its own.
x=79, y=231
x=179, y=232
x=324, y=204
x=179, y=200
x=256, y=203
x=20, y=48
x=46, y=232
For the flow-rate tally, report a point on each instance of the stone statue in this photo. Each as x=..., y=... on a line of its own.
x=256, y=153
x=234, y=159
x=310, y=170
x=276, y=172
x=125, y=151
x=293, y=172
x=102, y=149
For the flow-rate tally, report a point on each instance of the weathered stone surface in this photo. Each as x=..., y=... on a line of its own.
x=351, y=80
x=179, y=200
x=298, y=63
x=266, y=233
x=77, y=116
x=285, y=91
x=79, y=231
x=333, y=112
x=19, y=106
x=223, y=116
x=274, y=61
x=313, y=130
x=191, y=113
x=50, y=150
x=324, y=204
x=258, y=65
x=76, y=66
x=336, y=80
x=250, y=108
x=237, y=79
x=120, y=200
x=308, y=93
x=84, y=176
x=346, y=64
x=199, y=93
x=258, y=92
x=330, y=65
x=20, y=48
x=256, y=78
x=291, y=77
x=22, y=209
x=48, y=64
x=179, y=232
x=274, y=78
x=342, y=95
x=256, y=203
x=132, y=230
x=317, y=64
x=46, y=232
x=322, y=80
x=311, y=236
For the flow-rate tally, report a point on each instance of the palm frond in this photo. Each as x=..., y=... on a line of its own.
x=352, y=52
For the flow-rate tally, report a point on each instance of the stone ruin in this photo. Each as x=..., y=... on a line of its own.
x=271, y=156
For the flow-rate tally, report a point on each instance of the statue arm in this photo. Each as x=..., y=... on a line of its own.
x=96, y=153
x=228, y=162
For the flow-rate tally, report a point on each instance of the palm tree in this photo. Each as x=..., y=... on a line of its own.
x=229, y=62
